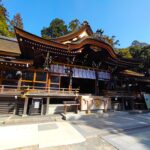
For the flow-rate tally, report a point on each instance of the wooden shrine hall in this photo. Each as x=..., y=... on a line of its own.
x=38, y=75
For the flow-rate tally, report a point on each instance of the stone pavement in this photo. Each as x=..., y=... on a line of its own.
x=114, y=123
x=123, y=131
x=94, y=143
x=131, y=140
x=3, y=118
x=90, y=132
x=38, y=135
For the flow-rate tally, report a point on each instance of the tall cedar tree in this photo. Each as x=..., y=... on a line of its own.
x=17, y=21
x=56, y=28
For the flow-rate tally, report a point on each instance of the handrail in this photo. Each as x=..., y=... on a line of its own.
x=35, y=89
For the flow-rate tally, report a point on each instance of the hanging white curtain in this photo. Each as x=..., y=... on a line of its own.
x=84, y=73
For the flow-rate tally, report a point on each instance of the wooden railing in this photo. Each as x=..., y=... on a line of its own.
x=26, y=90
x=8, y=89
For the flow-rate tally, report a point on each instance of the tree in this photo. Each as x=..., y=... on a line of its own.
x=4, y=26
x=139, y=51
x=74, y=25
x=57, y=28
x=17, y=21
x=135, y=51
x=145, y=56
x=124, y=52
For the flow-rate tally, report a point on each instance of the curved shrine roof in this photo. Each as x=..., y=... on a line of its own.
x=70, y=49
x=85, y=28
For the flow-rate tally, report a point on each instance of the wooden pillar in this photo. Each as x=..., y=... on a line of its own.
x=106, y=100
x=88, y=107
x=70, y=78
x=42, y=108
x=34, y=79
x=48, y=83
x=2, y=89
x=25, y=107
x=19, y=83
x=47, y=105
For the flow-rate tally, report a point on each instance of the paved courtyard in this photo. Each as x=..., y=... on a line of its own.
x=38, y=135
x=123, y=131
x=131, y=140
x=114, y=131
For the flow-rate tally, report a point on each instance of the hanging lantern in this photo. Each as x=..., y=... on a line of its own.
x=18, y=73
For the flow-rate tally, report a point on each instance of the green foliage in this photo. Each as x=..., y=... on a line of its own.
x=4, y=27
x=135, y=51
x=57, y=28
x=124, y=52
x=74, y=25
x=139, y=52
x=145, y=56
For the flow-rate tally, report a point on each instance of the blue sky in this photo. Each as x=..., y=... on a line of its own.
x=128, y=20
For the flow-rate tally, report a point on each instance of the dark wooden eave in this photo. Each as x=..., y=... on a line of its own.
x=21, y=33
x=15, y=64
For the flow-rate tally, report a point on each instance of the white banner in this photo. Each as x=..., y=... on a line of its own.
x=81, y=73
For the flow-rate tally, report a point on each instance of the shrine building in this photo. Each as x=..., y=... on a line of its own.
x=81, y=69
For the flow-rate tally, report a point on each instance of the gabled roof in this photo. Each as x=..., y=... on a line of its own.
x=9, y=46
x=32, y=45
x=69, y=47
x=85, y=28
